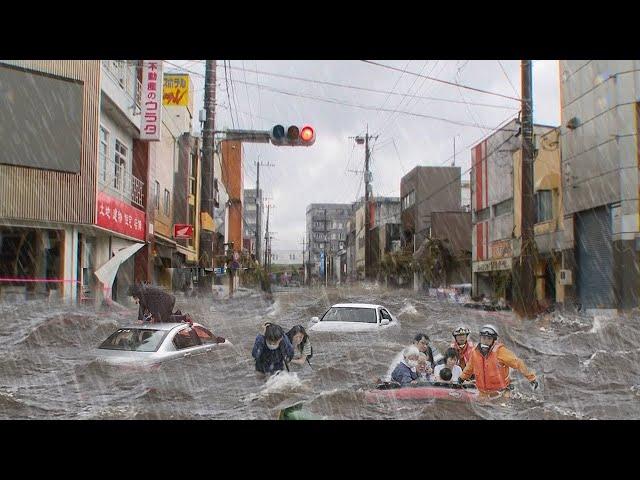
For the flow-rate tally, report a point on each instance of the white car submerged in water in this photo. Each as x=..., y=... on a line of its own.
x=154, y=343
x=354, y=317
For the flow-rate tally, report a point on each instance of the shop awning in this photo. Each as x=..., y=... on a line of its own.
x=107, y=272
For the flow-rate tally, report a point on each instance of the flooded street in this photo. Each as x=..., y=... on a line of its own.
x=588, y=367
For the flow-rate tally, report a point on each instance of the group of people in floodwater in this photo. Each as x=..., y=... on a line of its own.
x=488, y=363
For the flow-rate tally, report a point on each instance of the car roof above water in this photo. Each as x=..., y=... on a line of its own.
x=156, y=326
x=356, y=305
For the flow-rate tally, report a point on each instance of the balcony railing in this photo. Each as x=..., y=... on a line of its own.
x=118, y=179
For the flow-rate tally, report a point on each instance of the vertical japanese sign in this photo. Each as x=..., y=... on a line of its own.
x=175, y=90
x=151, y=103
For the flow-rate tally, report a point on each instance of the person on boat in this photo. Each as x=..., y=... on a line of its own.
x=463, y=345
x=303, y=350
x=424, y=370
x=490, y=363
x=451, y=363
x=272, y=350
x=421, y=340
x=405, y=371
x=444, y=374
x=154, y=300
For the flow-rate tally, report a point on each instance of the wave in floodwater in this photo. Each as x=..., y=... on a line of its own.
x=588, y=366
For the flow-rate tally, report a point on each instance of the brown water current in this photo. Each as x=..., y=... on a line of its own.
x=589, y=368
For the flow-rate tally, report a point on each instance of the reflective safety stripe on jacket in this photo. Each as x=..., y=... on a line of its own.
x=464, y=354
x=491, y=374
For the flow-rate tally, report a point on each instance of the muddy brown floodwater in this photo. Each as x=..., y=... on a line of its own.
x=588, y=367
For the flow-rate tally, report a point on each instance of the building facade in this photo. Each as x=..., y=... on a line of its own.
x=253, y=218
x=496, y=206
x=600, y=165
x=425, y=190
x=326, y=231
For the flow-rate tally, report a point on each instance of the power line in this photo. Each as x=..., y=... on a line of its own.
x=443, y=81
x=507, y=77
x=367, y=107
x=354, y=87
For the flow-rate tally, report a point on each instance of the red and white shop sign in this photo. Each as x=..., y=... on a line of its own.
x=117, y=216
x=151, y=100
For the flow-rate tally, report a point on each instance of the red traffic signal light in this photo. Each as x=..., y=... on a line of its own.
x=307, y=134
x=293, y=136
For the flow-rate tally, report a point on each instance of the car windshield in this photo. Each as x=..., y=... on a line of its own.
x=350, y=314
x=135, y=339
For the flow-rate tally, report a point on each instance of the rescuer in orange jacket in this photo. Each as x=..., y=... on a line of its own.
x=463, y=345
x=490, y=362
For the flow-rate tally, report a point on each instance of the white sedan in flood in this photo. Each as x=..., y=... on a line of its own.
x=354, y=317
x=154, y=343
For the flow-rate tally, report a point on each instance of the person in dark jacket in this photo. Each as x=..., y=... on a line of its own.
x=272, y=349
x=154, y=301
x=405, y=372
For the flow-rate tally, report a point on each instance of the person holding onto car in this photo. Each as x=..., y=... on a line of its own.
x=272, y=350
x=154, y=301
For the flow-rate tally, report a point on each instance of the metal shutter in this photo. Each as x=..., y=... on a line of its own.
x=595, y=278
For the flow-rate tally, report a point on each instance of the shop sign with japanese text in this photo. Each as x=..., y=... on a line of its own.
x=117, y=216
x=150, y=101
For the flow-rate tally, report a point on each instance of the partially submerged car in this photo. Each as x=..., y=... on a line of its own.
x=354, y=317
x=154, y=343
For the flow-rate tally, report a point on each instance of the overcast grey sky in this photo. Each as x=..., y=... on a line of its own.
x=320, y=173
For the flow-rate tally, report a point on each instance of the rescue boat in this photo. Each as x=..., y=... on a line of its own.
x=444, y=391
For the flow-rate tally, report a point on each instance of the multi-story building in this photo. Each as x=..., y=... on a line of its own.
x=425, y=190
x=232, y=177
x=385, y=229
x=326, y=231
x=252, y=217
x=496, y=206
x=600, y=161
x=49, y=178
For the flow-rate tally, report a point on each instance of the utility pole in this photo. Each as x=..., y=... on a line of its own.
x=367, y=191
x=267, y=253
x=304, y=270
x=206, y=253
x=524, y=281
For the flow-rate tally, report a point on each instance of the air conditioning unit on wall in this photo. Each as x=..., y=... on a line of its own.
x=565, y=277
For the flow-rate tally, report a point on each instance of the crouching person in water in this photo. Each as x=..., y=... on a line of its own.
x=405, y=371
x=272, y=350
x=303, y=351
x=490, y=362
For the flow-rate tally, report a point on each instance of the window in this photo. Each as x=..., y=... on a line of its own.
x=321, y=245
x=136, y=339
x=120, y=165
x=483, y=214
x=544, y=206
x=156, y=195
x=186, y=338
x=503, y=208
x=205, y=335
x=385, y=314
x=347, y=314
x=167, y=202
x=192, y=176
x=408, y=200
x=104, y=151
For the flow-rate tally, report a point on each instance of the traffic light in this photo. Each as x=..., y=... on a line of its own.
x=293, y=136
